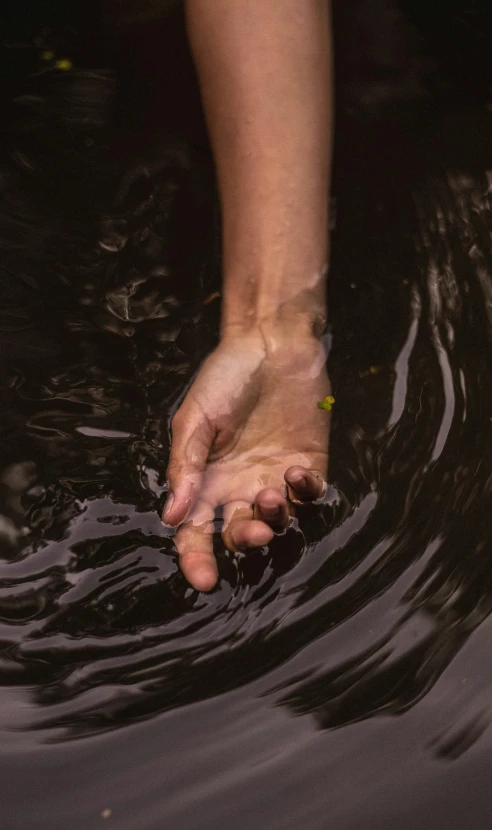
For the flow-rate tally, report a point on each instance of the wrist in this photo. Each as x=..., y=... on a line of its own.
x=291, y=348
x=300, y=320
x=275, y=302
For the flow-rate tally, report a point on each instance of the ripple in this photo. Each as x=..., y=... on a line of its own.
x=101, y=624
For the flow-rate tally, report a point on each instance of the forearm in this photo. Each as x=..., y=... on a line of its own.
x=265, y=72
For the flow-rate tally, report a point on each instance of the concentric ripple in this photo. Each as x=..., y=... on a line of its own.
x=356, y=613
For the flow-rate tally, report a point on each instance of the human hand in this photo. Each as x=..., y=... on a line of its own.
x=248, y=438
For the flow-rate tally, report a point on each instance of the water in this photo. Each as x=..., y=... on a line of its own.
x=343, y=677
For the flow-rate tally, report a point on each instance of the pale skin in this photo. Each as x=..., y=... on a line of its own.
x=248, y=437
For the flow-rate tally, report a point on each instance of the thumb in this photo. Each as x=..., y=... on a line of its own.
x=192, y=437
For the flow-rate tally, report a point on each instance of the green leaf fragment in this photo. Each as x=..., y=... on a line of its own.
x=327, y=403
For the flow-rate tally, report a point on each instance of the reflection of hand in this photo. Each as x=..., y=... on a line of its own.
x=248, y=427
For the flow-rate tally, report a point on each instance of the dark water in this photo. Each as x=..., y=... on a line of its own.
x=342, y=678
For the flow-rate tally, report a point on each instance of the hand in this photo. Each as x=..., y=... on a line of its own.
x=247, y=437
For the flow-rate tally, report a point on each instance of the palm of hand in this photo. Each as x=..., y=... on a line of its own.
x=248, y=427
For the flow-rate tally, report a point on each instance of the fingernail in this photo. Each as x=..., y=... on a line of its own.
x=168, y=506
x=298, y=478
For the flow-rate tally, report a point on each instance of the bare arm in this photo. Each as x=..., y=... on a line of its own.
x=249, y=433
x=265, y=72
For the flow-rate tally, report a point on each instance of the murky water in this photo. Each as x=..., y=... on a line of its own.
x=341, y=678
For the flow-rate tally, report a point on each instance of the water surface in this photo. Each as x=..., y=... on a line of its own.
x=340, y=678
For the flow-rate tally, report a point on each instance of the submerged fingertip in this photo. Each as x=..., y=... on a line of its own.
x=298, y=482
x=295, y=475
x=199, y=570
x=204, y=579
x=260, y=534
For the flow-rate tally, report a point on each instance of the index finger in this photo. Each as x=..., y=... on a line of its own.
x=194, y=544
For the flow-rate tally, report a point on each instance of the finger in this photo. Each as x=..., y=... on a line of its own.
x=194, y=543
x=303, y=484
x=192, y=438
x=271, y=507
x=241, y=531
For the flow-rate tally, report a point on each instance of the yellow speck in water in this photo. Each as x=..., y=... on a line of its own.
x=372, y=370
x=47, y=55
x=106, y=813
x=64, y=64
x=327, y=403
